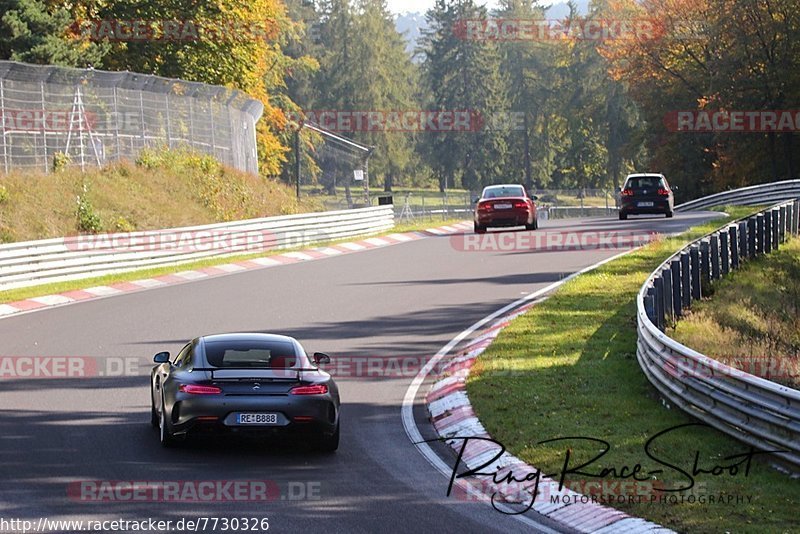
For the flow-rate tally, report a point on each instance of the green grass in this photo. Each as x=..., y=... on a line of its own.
x=161, y=189
x=568, y=368
x=752, y=319
x=13, y=295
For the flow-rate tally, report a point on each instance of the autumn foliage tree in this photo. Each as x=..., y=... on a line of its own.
x=713, y=55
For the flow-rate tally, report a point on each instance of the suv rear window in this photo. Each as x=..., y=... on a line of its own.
x=644, y=182
x=249, y=354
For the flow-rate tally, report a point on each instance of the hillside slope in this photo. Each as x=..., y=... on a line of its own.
x=161, y=189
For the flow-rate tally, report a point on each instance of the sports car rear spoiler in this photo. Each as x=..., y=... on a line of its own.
x=251, y=372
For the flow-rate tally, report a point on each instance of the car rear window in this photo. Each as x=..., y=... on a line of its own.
x=503, y=191
x=249, y=354
x=644, y=182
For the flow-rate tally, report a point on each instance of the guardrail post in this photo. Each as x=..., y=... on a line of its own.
x=658, y=302
x=768, y=243
x=649, y=305
x=789, y=219
x=782, y=226
x=796, y=217
x=724, y=252
x=752, y=233
x=733, y=232
x=760, y=234
x=694, y=257
x=675, y=271
x=774, y=237
x=705, y=262
x=686, y=284
x=669, y=312
x=715, y=257
x=743, y=239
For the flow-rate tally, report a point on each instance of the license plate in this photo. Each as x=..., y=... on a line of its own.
x=502, y=206
x=645, y=204
x=257, y=419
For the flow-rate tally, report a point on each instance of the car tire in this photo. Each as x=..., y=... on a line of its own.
x=154, y=422
x=623, y=216
x=165, y=436
x=329, y=442
x=669, y=214
x=479, y=229
x=531, y=226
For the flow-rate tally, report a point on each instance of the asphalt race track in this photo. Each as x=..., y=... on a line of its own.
x=405, y=300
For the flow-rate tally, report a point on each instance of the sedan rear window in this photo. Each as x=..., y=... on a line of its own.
x=503, y=191
x=251, y=354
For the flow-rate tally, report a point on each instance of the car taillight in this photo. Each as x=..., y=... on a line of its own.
x=663, y=192
x=485, y=206
x=194, y=389
x=627, y=192
x=520, y=204
x=316, y=389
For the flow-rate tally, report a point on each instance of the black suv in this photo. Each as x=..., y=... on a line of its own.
x=645, y=193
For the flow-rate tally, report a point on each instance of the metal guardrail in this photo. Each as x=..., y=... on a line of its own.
x=61, y=259
x=758, y=412
x=754, y=195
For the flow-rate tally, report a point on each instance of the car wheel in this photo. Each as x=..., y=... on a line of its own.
x=669, y=214
x=623, y=216
x=531, y=226
x=536, y=223
x=165, y=436
x=479, y=229
x=329, y=442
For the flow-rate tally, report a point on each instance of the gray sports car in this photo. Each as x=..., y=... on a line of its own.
x=246, y=384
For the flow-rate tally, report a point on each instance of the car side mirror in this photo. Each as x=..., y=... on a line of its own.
x=675, y=187
x=161, y=357
x=475, y=200
x=321, y=357
x=534, y=197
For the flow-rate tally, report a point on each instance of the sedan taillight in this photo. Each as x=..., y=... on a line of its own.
x=520, y=204
x=194, y=389
x=485, y=206
x=316, y=389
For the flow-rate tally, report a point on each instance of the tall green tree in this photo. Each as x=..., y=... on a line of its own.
x=41, y=32
x=463, y=74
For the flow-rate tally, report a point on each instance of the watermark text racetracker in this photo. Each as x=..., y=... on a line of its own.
x=222, y=240
x=640, y=29
x=776, y=367
x=733, y=121
x=408, y=120
x=192, y=491
x=172, y=30
x=551, y=241
x=184, y=524
x=43, y=367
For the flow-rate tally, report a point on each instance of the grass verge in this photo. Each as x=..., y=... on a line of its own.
x=161, y=189
x=13, y=295
x=568, y=368
x=752, y=319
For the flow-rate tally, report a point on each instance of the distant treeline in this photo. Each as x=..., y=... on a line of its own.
x=706, y=91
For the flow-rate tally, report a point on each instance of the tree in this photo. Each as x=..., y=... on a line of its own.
x=744, y=56
x=36, y=31
x=463, y=74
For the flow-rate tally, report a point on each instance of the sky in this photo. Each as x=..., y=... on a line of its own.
x=421, y=6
